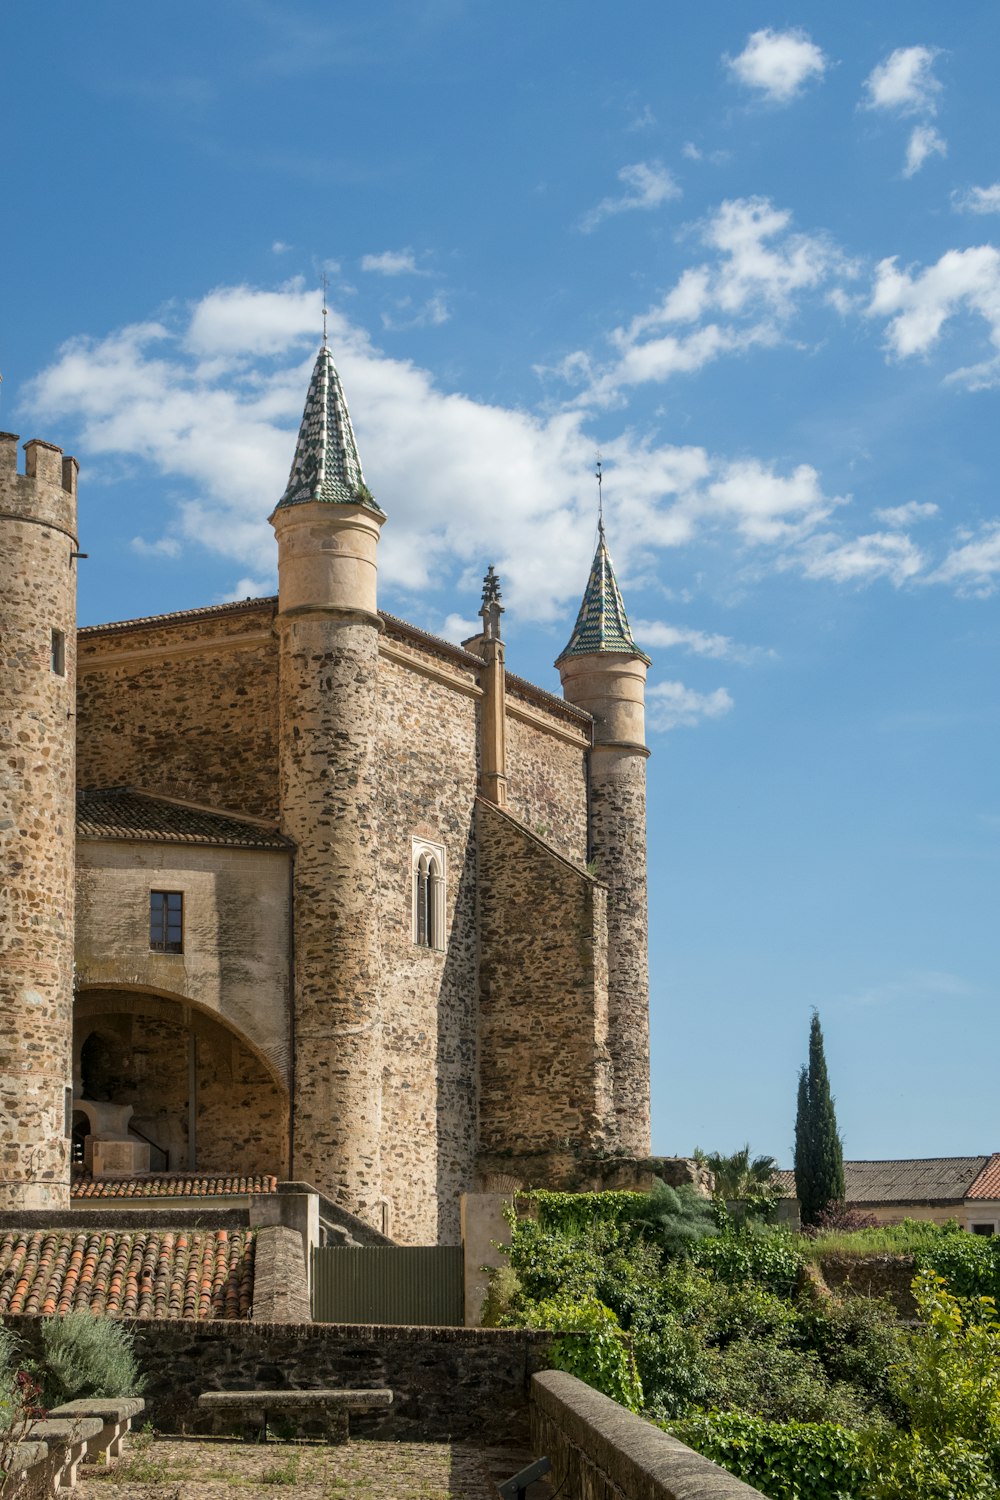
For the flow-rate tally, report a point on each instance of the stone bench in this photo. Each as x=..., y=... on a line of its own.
x=329, y=1410
x=68, y=1440
x=114, y=1412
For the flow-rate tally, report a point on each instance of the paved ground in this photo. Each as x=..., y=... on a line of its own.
x=217, y=1469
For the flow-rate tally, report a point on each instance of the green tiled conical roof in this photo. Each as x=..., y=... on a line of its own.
x=602, y=624
x=326, y=466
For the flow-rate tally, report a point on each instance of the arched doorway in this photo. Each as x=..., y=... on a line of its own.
x=202, y=1097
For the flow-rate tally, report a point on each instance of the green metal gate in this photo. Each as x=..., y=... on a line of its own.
x=416, y=1284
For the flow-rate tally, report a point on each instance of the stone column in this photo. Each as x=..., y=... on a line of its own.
x=37, y=821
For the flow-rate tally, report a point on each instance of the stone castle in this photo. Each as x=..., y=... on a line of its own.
x=290, y=886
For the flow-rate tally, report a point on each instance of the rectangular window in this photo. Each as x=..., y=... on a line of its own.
x=166, y=921
x=983, y=1229
x=59, y=652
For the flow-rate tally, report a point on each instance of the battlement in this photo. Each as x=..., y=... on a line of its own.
x=42, y=461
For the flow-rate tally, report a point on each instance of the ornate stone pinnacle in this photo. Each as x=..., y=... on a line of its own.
x=491, y=587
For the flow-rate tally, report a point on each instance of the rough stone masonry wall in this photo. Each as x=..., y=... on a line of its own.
x=329, y=679
x=547, y=784
x=618, y=840
x=37, y=822
x=427, y=769
x=186, y=709
x=545, y=1086
x=448, y=1383
x=139, y=1056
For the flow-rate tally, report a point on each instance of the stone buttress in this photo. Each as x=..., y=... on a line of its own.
x=327, y=526
x=603, y=671
x=38, y=547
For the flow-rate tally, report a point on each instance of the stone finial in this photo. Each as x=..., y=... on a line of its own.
x=491, y=609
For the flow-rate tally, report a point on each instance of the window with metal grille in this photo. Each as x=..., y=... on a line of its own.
x=166, y=921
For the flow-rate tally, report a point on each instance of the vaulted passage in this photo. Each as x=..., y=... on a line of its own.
x=201, y=1098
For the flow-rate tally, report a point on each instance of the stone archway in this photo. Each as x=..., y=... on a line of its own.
x=202, y=1097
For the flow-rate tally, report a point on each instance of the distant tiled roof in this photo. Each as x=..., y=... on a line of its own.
x=931, y=1179
x=122, y=813
x=163, y=1185
x=987, y=1184
x=602, y=624
x=326, y=466
x=201, y=1273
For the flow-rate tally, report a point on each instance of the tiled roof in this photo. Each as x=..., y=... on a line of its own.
x=177, y=616
x=987, y=1184
x=200, y=1273
x=122, y=813
x=326, y=465
x=928, y=1180
x=602, y=624
x=163, y=1185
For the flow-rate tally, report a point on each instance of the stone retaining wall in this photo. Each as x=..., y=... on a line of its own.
x=872, y=1276
x=449, y=1383
x=600, y=1451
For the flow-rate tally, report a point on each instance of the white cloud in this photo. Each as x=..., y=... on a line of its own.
x=408, y=314
x=924, y=142
x=656, y=633
x=280, y=248
x=918, y=304
x=767, y=507
x=647, y=184
x=974, y=565
x=210, y=402
x=671, y=705
x=907, y=514
x=250, y=588
x=881, y=554
x=977, y=200
x=778, y=63
x=691, y=152
x=904, y=83
x=391, y=263
x=458, y=629
x=761, y=268
x=164, y=546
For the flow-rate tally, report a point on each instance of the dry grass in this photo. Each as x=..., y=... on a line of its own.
x=218, y=1469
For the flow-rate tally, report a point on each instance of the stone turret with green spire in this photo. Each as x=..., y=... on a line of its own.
x=327, y=525
x=604, y=672
x=602, y=624
x=326, y=466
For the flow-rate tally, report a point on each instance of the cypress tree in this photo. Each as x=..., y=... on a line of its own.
x=819, y=1155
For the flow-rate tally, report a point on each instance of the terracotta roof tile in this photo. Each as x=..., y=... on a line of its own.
x=987, y=1184
x=931, y=1179
x=162, y=1185
x=200, y=1273
x=123, y=813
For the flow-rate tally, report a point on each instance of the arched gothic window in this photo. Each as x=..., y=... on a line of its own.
x=428, y=895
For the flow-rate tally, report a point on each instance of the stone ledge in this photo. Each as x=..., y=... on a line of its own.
x=602, y=1449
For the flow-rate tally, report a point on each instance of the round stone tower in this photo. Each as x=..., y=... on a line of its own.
x=603, y=671
x=38, y=544
x=327, y=525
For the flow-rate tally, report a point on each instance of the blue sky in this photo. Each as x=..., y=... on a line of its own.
x=748, y=254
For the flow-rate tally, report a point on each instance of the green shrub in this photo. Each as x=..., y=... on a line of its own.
x=780, y=1384
x=859, y=1340
x=969, y=1263
x=904, y=1468
x=784, y=1460
x=88, y=1356
x=676, y=1219
x=598, y=1353
x=753, y=1253
x=9, y=1394
x=501, y=1298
